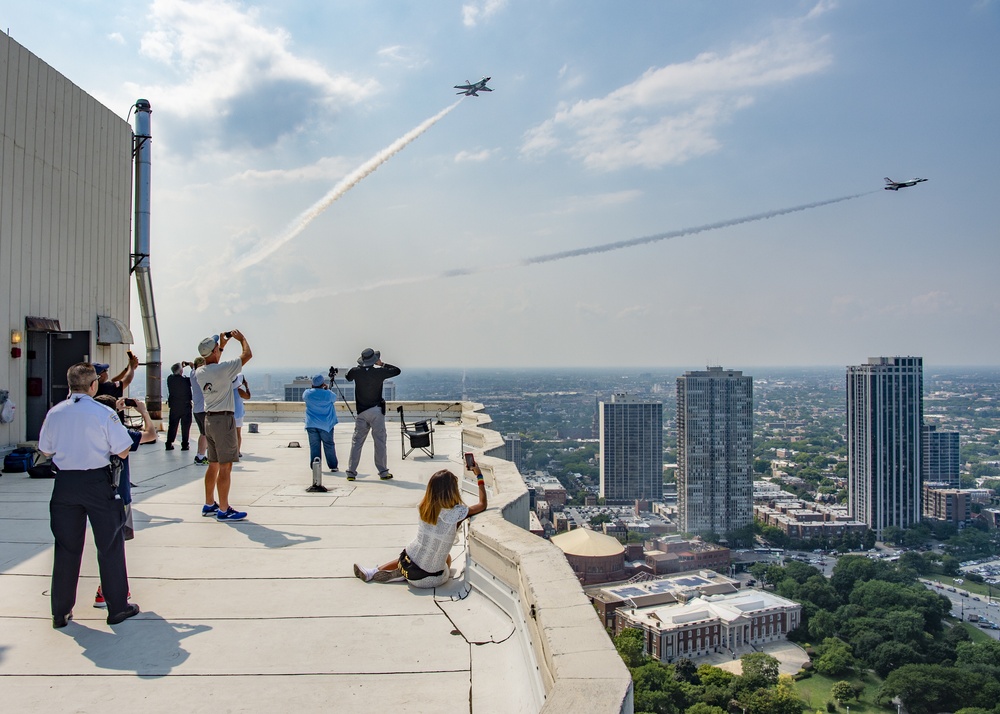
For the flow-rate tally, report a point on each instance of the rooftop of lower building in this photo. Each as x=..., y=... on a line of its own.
x=267, y=615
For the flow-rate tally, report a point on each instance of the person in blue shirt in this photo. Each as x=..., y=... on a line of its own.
x=321, y=416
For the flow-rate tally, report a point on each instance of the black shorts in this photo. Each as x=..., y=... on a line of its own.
x=412, y=571
x=199, y=418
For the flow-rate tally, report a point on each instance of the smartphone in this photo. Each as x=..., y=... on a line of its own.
x=129, y=402
x=470, y=461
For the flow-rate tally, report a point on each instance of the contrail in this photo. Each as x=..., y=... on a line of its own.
x=346, y=184
x=561, y=255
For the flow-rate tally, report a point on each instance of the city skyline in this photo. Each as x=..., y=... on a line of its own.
x=684, y=116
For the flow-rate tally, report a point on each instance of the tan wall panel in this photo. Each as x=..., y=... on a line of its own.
x=65, y=207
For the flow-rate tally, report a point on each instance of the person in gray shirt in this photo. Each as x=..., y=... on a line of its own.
x=215, y=379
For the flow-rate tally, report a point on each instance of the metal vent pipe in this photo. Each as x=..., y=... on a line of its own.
x=141, y=151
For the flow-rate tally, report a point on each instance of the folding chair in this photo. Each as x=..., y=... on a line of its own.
x=418, y=435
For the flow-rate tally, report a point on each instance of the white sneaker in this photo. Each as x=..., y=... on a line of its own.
x=363, y=573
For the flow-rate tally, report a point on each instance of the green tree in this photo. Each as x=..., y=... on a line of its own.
x=931, y=688
x=630, y=645
x=703, y=708
x=759, y=670
x=842, y=691
x=835, y=657
x=684, y=670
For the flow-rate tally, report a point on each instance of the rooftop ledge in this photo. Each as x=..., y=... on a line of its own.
x=266, y=614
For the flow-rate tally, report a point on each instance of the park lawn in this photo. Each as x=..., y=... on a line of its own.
x=815, y=692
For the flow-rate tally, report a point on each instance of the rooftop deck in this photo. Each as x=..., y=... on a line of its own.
x=266, y=615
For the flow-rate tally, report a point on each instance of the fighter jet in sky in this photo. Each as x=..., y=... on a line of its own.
x=891, y=185
x=470, y=89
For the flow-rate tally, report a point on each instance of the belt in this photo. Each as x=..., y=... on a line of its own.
x=214, y=413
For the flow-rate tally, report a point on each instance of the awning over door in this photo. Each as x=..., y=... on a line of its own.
x=112, y=332
x=42, y=324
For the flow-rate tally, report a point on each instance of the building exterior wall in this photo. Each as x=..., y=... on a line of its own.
x=940, y=458
x=714, y=451
x=631, y=436
x=884, y=419
x=946, y=504
x=668, y=641
x=65, y=206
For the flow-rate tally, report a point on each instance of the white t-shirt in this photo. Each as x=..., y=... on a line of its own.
x=430, y=548
x=216, y=381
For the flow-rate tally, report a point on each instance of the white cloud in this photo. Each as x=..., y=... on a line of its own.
x=225, y=60
x=117, y=38
x=670, y=114
x=477, y=156
x=327, y=168
x=399, y=55
x=590, y=202
x=473, y=13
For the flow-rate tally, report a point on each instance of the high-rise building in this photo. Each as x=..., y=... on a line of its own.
x=885, y=413
x=631, y=436
x=940, y=462
x=714, y=451
x=512, y=450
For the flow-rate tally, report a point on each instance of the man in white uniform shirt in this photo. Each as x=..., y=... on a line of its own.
x=80, y=436
x=216, y=381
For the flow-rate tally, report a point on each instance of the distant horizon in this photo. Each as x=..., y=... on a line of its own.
x=406, y=367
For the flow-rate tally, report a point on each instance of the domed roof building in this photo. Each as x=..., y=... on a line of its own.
x=594, y=557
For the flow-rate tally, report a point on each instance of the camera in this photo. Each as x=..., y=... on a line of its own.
x=130, y=402
x=333, y=372
x=228, y=335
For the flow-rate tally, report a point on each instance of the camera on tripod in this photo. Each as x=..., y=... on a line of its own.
x=333, y=373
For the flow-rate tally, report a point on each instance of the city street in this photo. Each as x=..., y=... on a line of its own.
x=963, y=605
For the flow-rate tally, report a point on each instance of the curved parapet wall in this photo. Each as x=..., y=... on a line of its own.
x=578, y=664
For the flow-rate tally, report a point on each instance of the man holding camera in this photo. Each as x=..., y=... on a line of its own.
x=368, y=377
x=216, y=379
x=116, y=386
x=179, y=400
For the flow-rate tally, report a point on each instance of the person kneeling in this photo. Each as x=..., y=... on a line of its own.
x=426, y=561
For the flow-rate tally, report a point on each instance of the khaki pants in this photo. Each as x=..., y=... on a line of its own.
x=372, y=420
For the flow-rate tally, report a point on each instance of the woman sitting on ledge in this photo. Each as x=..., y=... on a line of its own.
x=426, y=562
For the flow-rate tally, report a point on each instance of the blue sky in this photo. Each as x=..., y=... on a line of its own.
x=609, y=121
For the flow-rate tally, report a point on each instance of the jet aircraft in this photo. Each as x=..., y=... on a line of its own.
x=891, y=185
x=470, y=89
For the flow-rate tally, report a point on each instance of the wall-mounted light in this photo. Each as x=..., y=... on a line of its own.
x=15, y=341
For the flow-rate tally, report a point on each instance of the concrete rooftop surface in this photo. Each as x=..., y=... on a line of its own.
x=266, y=614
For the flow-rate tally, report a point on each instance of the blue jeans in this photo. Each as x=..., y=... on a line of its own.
x=321, y=436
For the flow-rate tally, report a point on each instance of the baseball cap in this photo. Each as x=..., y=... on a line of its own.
x=208, y=344
x=100, y=368
x=318, y=380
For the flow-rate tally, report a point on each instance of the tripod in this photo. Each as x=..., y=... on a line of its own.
x=333, y=381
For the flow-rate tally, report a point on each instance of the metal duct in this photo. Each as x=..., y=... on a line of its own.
x=141, y=152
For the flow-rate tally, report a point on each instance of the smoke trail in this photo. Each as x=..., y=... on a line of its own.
x=346, y=184
x=617, y=245
x=561, y=255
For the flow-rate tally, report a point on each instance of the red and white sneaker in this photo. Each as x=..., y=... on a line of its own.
x=99, y=598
